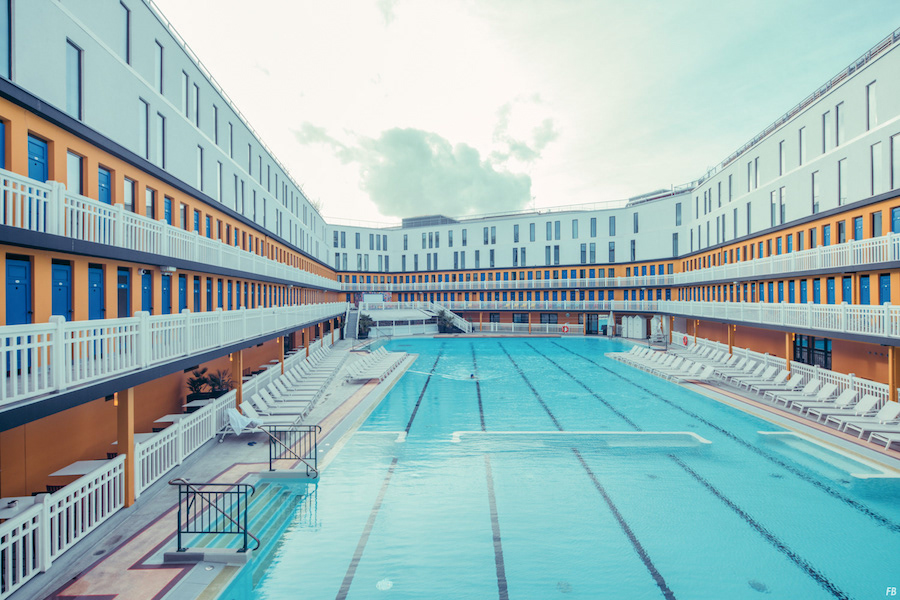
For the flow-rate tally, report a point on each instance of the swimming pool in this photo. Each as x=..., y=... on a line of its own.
x=543, y=477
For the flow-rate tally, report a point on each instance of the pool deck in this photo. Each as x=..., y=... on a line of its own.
x=122, y=559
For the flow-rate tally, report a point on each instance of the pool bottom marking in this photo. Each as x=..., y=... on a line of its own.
x=364, y=538
x=765, y=533
x=623, y=524
x=502, y=586
x=894, y=527
x=424, y=387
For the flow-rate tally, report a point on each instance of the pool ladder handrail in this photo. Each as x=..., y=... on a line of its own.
x=180, y=481
x=290, y=450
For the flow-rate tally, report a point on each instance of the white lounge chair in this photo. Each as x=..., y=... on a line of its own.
x=844, y=399
x=866, y=405
x=886, y=420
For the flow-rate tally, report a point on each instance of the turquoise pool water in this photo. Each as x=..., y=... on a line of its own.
x=524, y=503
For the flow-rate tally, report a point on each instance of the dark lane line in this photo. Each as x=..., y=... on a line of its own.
x=424, y=387
x=880, y=519
x=743, y=515
x=364, y=538
x=502, y=586
x=635, y=543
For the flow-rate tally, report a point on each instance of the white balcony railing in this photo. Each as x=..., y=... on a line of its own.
x=49, y=208
x=45, y=358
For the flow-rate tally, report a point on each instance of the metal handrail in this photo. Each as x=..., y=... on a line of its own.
x=180, y=481
x=310, y=429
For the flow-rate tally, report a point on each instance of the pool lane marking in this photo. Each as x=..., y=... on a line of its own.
x=424, y=387
x=765, y=533
x=882, y=520
x=364, y=538
x=502, y=586
x=623, y=524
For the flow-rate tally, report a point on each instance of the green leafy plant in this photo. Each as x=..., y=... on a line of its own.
x=220, y=381
x=445, y=323
x=364, y=325
x=198, y=381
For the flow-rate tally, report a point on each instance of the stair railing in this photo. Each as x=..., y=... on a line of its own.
x=235, y=497
x=284, y=439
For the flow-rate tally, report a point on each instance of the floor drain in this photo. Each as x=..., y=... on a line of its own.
x=759, y=586
x=564, y=586
x=99, y=552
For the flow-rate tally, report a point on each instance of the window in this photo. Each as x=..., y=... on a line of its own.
x=583, y=254
x=730, y=188
x=143, y=128
x=531, y=231
x=674, y=244
x=158, y=68
x=485, y=237
x=842, y=181
x=185, y=95
x=219, y=181
x=876, y=175
x=546, y=255
x=633, y=250
x=216, y=124
x=556, y=229
x=895, y=161
x=200, y=168
x=635, y=222
x=592, y=249
x=125, y=41
x=839, y=131
x=129, y=195
x=876, y=224
x=449, y=239
x=801, y=145
x=231, y=141
x=871, y=107
x=150, y=203
x=515, y=233
x=594, y=223
x=812, y=351
x=827, y=138
x=196, y=105
x=772, y=208
x=464, y=237
x=493, y=235
x=160, y=140
x=815, y=192
x=549, y=234
x=73, y=80
x=612, y=226
x=612, y=252
x=574, y=229
x=782, y=204
x=677, y=213
x=781, y=157
x=5, y=39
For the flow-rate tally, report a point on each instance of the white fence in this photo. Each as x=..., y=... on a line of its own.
x=534, y=328
x=843, y=381
x=33, y=539
x=44, y=358
x=49, y=208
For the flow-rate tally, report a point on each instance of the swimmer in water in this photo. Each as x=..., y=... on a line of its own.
x=472, y=376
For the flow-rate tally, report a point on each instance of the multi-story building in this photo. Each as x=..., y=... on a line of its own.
x=147, y=230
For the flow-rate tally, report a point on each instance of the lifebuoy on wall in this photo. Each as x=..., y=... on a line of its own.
x=684, y=340
x=565, y=329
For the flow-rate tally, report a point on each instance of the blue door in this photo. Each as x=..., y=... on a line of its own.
x=167, y=209
x=209, y=297
x=196, y=294
x=18, y=291
x=2, y=145
x=817, y=291
x=123, y=293
x=829, y=290
x=802, y=291
x=847, y=290
x=182, y=292
x=37, y=159
x=147, y=292
x=62, y=290
x=166, y=294
x=96, y=307
x=791, y=290
x=104, y=184
x=780, y=291
x=771, y=292
x=895, y=220
x=857, y=228
x=826, y=235
x=884, y=288
x=219, y=295
x=230, y=297
x=864, y=290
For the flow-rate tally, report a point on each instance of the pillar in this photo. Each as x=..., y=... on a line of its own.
x=125, y=438
x=279, y=345
x=529, y=322
x=671, y=326
x=237, y=374
x=481, y=323
x=893, y=372
x=730, y=334
x=788, y=349
x=696, y=327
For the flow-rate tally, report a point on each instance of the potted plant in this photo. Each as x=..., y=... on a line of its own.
x=445, y=323
x=220, y=382
x=364, y=325
x=196, y=383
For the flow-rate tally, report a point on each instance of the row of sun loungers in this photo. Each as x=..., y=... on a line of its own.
x=377, y=365
x=847, y=411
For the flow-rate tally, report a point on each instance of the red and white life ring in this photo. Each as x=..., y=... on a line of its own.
x=684, y=340
x=565, y=329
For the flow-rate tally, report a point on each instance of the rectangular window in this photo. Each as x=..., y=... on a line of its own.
x=612, y=252
x=842, y=181
x=515, y=233
x=73, y=80
x=871, y=107
x=895, y=161
x=612, y=226
x=158, y=68
x=150, y=203
x=546, y=255
x=593, y=251
x=531, y=233
x=549, y=232
x=839, y=131
x=876, y=224
x=772, y=209
x=216, y=124
x=5, y=39
x=781, y=157
x=556, y=229
x=730, y=188
x=125, y=32
x=594, y=223
x=144, y=128
x=74, y=173
x=801, y=145
x=574, y=229
x=185, y=95
x=231, y=140
x=635, y=222
x=583, y=254
x=555, y=254
x=160, y=140
x=815, y=192
x=128, y=201
x=876, y=169
x=827, y=137
x=677, y=214
x=493, y=235
x=219, y=181
x=674, y=244
x=485, y=237
x=200, y=168
x=633, y=251
x=782, y=204
x=464, y=237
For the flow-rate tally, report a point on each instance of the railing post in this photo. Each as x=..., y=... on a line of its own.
x=164, y=238
x=118, y=236
x=843, y=316
x=220, y=318
x=809, y=314
x=44, y=554
x=56, y=208
x=886, y=327
x=144, y=336
x=179, y=442
x=58, y=354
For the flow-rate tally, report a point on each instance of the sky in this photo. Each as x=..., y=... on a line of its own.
x=384, y=109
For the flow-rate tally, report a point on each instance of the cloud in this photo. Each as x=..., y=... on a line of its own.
x=517, y=149
x=386, y=7
x=410, y=172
